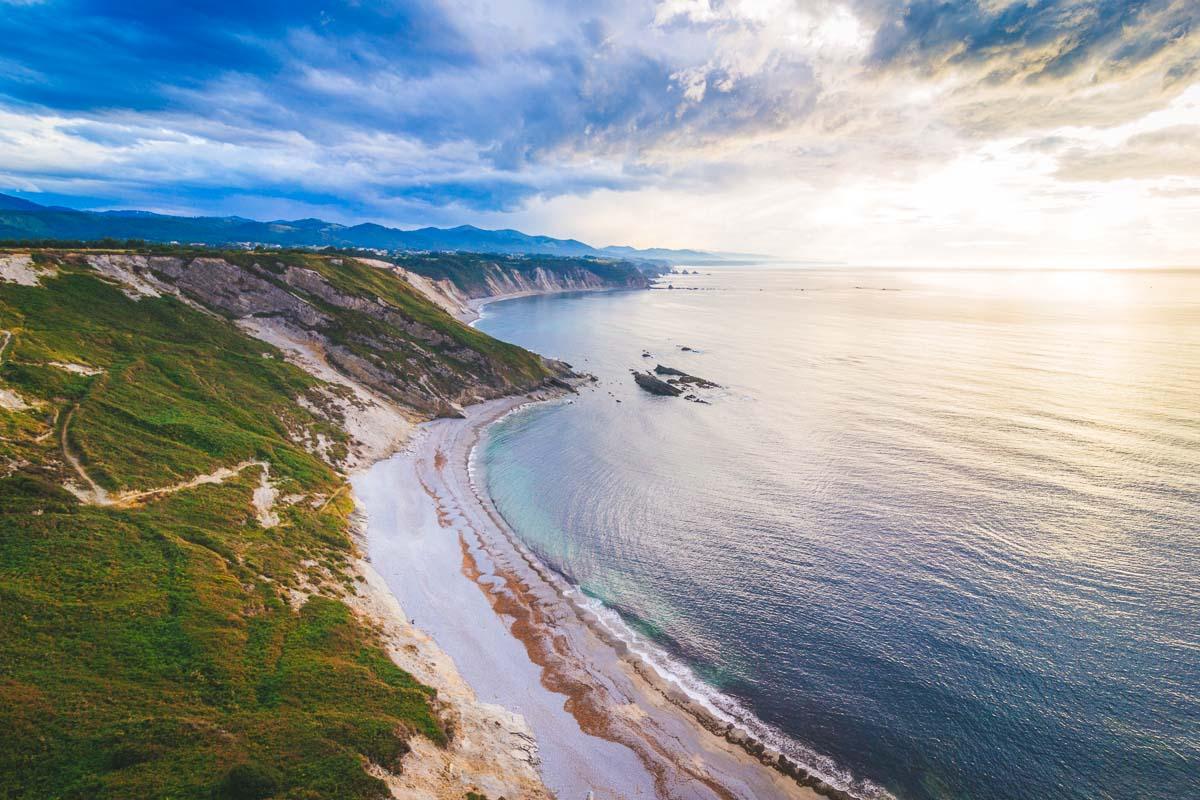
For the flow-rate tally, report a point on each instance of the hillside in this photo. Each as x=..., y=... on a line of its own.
x=183, y=604
x=23, y=220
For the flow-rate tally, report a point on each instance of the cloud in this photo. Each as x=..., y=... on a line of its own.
x=453, y=110
x=238, y=75
x=1169, y=152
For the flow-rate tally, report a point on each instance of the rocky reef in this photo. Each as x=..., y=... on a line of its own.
x=681, y=377
x=672, y=383
x=656, y=386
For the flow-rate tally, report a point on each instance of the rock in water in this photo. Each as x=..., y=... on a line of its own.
x=683, y=377
x=654, y=386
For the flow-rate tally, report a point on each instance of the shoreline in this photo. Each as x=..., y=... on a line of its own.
x=474, y=306
x=597, y=703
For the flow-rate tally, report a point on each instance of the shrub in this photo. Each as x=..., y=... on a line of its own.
x=248, y=781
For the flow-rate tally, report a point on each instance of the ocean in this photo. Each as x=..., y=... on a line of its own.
x=937, y=534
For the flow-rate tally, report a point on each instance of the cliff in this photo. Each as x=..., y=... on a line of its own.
x=458, y=282
x=185, y=608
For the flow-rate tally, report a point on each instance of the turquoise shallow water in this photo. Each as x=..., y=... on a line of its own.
x=939, y=528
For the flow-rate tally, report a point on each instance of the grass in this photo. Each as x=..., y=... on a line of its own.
x=181, y=393
x=154, y=652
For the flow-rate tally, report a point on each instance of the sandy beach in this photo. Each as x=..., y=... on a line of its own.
x=605, y=723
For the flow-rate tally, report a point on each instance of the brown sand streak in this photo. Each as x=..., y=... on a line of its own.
x=586, y=703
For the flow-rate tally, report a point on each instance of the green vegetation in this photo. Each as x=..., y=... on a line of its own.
x=180, y=393
x=175, y=648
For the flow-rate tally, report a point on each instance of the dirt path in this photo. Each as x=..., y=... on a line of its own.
x=91, y=492
x=94, y=494
x=41, y=437
x=220, y=475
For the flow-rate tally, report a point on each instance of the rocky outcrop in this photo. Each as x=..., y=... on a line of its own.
x=676, y=382
x=681, y=377
x=655, y=386
x=235, y=291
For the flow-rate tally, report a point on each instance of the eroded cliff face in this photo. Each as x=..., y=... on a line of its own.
x=501, y=281
x=359, y=317
x=460, y=278
x=460, y=283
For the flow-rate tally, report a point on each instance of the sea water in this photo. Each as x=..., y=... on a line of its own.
x=938, y=531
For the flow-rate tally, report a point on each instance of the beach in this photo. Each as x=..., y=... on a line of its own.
x=605, y=723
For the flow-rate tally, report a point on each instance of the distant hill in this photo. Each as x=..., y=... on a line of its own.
x=23, y=220
x=8, y=203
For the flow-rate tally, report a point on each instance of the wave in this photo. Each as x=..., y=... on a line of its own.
x=722, y=706
x=672, y=671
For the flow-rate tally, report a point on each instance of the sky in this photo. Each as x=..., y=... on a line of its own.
x=961, y=132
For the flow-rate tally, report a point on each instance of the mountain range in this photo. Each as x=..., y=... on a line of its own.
x=22, y=219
